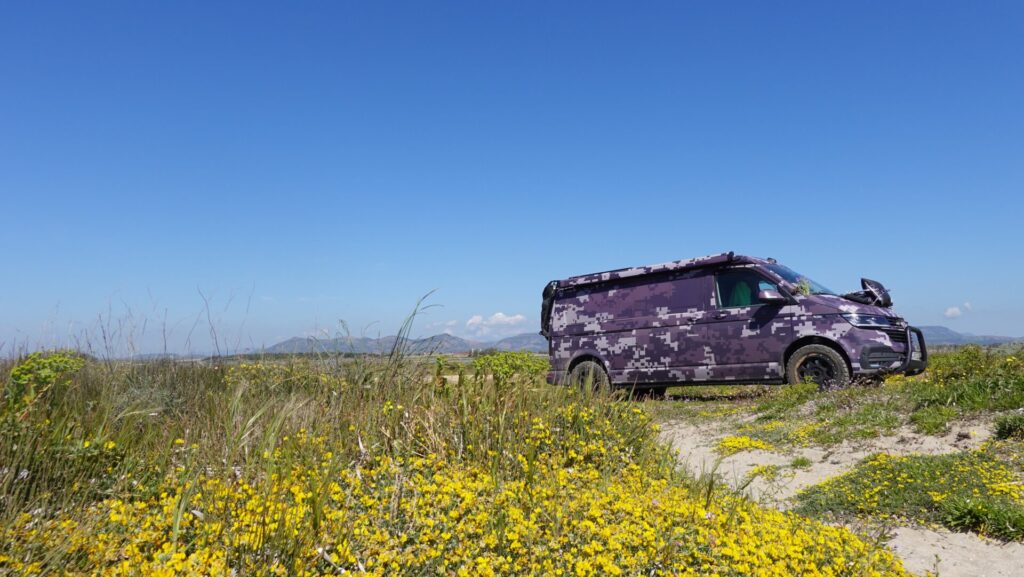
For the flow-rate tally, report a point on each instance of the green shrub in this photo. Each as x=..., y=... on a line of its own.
x=994, y=517
x=503, y=365
x=1010, y=426
x=31, y=378
x=800, y=462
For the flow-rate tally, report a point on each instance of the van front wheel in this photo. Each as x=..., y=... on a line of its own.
x=588, y=374
x=819, y=364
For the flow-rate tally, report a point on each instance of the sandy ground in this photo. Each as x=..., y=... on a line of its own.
x=950, y=554
x=956, y=554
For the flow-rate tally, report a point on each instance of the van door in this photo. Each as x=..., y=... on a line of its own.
x=746, y=338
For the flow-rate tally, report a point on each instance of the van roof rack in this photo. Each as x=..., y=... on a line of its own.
x=676, y=265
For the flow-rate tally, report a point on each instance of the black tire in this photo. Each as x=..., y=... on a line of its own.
x=589, y=374
x=820, y=364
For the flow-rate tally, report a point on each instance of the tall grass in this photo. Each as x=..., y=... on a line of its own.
x=331, y=464
x=972, y=378
x=110, y=428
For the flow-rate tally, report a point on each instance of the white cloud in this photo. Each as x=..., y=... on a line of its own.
x=497, y=319
x=968, y=306
x=497, y=325
x=953, y=312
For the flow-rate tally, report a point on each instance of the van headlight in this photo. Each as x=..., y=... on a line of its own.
x=867, y=321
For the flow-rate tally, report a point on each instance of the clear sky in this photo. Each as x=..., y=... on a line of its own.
x=296, y=164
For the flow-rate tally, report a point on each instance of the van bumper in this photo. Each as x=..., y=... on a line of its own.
x=878, y=358
x=916, y=360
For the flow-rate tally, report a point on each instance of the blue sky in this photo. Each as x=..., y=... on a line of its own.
x=297, y=164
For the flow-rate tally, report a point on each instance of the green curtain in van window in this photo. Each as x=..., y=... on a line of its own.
x=740, y=295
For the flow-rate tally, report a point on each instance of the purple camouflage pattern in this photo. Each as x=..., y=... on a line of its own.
x=663, y=324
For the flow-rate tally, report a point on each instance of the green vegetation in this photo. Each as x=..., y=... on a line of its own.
x=32, y=378
x=984, y=515
x=974, y=490
x=783, y=400
x=800, y=462
x=962, y=383
x=980, y=490
x=933, y=420
x=384, y=464
x=504, y=365
x=971, y=380
x=371, y=465
x=1010, y=426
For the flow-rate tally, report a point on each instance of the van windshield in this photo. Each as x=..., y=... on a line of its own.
x=807, y=285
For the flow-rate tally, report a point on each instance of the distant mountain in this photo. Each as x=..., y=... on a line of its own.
x=155, y=356
x=530, y=342
x=440, y=344
x=298, y=345
x=936, y=335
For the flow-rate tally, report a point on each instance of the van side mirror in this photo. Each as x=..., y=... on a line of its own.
x=771, y=297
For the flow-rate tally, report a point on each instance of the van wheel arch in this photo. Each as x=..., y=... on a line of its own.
x=587, y=357
x=815, y=340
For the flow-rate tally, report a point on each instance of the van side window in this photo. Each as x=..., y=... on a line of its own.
x=739, y=287
x=689, y=292
x=649, y=296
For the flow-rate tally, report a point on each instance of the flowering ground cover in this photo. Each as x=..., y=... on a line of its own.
x=736, y=443
x=980, y=490
x=366, y=465
x=927, y=468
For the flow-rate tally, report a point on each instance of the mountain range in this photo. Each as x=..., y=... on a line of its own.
x=440, y=344
x=936, y=335
x=532, y=342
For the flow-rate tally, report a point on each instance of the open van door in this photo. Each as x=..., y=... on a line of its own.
x=545, y=308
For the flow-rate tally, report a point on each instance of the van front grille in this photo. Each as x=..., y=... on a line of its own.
x=897, y=335
x=897, y=330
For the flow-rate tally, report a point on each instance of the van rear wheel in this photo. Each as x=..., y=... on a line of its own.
x=589, y=375
x=818, y=364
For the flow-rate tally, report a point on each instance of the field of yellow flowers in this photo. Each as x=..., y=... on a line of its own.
x=365, y=466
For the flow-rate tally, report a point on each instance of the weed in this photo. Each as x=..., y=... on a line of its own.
x=1010, y=426
x=800, y=462
x=992, y=516
x=785, y=399
x=933, y=420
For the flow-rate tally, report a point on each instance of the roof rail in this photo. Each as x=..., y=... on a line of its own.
x=676, y=265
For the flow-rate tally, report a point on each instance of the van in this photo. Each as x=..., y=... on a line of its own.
x=718, y=319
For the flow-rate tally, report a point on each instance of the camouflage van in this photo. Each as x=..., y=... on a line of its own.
x=725, y=318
